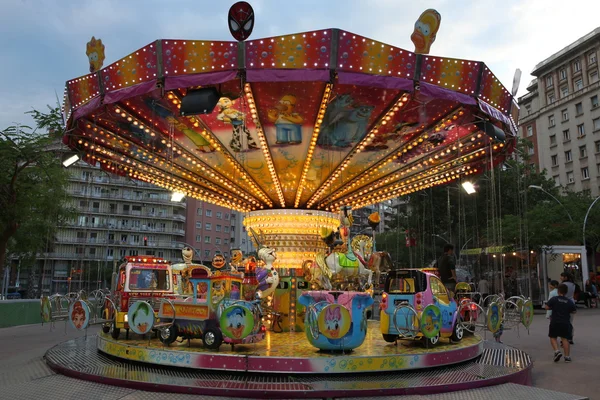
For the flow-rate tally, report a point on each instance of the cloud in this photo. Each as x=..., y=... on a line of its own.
x=43, y=41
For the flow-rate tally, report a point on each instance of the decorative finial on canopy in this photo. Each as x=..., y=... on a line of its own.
x=241, y=20
x=426, y=29
x=95, y=53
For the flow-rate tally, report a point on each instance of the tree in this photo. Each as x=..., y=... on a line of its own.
x=32, y=186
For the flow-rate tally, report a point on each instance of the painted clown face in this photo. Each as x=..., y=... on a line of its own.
x=241, y=20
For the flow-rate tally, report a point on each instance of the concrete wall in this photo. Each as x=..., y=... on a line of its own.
x=19, y=312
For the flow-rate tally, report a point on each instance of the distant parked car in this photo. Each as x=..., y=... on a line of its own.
x=13, y=296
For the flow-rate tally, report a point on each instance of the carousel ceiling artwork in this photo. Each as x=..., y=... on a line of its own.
x=312, y=120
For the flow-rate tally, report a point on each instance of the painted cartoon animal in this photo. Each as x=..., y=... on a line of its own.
x=333, y=319
x=218, y=292
x=344, y=123
x=236, y=321
x=426, y=29
x=95, y=53
x=240, y=131
x=342, y=268
x=288, y=123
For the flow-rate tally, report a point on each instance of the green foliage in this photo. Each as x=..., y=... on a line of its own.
x=32, y=187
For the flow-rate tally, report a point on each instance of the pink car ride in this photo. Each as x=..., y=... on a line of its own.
x=416, y=305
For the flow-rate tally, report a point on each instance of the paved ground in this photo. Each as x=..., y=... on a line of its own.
x=22, y=349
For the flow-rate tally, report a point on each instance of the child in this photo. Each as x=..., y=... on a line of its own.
x=553, y=292
x=560, y=322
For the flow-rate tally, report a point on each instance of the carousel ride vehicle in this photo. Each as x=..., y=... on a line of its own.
x=294, y=132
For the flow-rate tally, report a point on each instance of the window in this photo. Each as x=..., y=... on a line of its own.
x=208, y=226
x=207, y=253
x=198, y=225
x=219, y=214
x=552, y=140
x=551, y=98
x=218, y=240
x=551, y=121
x=594, y=100
x=198, y=238
x=549, y=81
x=563, y=74
x=133, y=252
x=225, y=241
x=92, y=251
x=592, y=57
x=226, y=229
x=596, y=123
x=565, y=115
x=226, y=216
x=199, y=211
x=585, y=173
x=556, y=180
x=530, y=151
x=597, y=146
x=594, y=77
x=209, y=213
x=582, y=152
x=568, y=156
x=580, y=130
x=566, y=135
x=438, y=289
x=570, y=177
x=578, y=109
x=564, y=92
x=529, y=131
x=554, y=160
x=577, y=65
x=206, y=239
x=218, y=228
x=578, y=84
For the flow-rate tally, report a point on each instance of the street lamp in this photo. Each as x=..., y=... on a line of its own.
x=583, y=232
x=558, y=201
x=469, y=187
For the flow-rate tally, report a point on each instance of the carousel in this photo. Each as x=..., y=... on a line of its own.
x=294, y=132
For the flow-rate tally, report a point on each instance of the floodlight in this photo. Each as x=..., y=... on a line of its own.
x=177, y=196
x=67, y=162
x=469, y=187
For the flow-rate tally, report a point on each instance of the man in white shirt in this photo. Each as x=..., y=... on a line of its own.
x=483, y=288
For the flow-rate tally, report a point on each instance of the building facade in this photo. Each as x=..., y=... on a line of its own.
x=560, y=115
x=115, y=217
x=211, y=229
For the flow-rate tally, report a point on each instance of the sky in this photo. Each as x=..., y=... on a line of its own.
x=43, y=42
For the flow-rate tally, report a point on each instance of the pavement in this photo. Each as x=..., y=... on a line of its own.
x=22, y=366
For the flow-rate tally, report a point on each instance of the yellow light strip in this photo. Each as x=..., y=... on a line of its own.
x=202, y=168
x=263, y=143
x=407, y=146
x=404, y=98
x=210, y=137
x=313, y=142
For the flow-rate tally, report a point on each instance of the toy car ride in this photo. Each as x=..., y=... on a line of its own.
x=416, y=305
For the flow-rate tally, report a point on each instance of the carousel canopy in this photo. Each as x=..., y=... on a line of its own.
x=314, y=120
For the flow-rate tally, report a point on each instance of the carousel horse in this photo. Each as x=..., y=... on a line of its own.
x=342, y=266
x=316, y=276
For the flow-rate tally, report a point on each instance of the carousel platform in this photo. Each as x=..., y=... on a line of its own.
x=285, y=365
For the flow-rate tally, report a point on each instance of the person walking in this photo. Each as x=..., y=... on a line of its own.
x=560, y=322
x=447, y=268
x=567, y=279
x=553, y=292
x=483, y=287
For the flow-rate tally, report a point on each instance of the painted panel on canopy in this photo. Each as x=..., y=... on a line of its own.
x=450, y=73
x=187, y=133
x=438, y=137
x=493, y=92
x=287, y=112
x=139, y=66
x=181, y=57
x=404, y=126
x=350, y=113
x=83, y=89
x=301, y=50
x=231, y=122
x=360, y=54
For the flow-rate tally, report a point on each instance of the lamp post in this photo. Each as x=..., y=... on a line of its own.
x=549, y=194
x=585, y=271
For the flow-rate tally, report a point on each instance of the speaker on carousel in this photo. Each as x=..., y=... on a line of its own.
x=491, y=130
x=200, y=101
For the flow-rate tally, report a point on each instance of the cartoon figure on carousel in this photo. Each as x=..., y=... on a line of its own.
x=267, y=277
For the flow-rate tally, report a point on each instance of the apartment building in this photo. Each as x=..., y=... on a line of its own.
x=560, y=115
x=116, y=217
x=212, y=229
